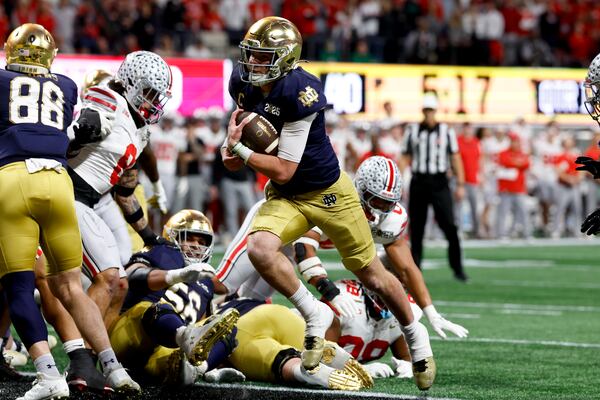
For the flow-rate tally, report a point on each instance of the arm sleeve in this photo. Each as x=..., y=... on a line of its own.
x=292, y=140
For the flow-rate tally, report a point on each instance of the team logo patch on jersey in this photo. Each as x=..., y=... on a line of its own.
x=308, y=96
x=329, y=199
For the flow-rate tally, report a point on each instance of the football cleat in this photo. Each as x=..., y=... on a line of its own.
x=314, y=344
x=7, y=372
x=15, y=358
x=46, y=387
x=313, y=352
x=336, y=357
x=82, y=375
x=343, y=380
x=181, y=372
x=424, y=373
x=121, y=382
x=356, y=368
x=199, y=340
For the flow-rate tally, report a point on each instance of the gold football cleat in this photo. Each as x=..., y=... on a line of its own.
x=313, y=352
x=214, y=329
x=360, y=372
x=424, y=373
x=343, y=380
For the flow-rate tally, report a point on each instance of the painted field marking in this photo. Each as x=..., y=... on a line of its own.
x=525, y=342
x=462, y=315
x=514, y=306
x=549, y=313
x=543, y=284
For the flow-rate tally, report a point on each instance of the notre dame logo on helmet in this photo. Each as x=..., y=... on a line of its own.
x=329, y=199
x=308, y=96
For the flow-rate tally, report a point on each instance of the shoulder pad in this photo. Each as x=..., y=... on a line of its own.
x=391, y=227
x=162, y=256
x=302, y=95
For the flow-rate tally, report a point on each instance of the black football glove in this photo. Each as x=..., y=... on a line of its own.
x=88, y=127
x=590, y=165
x=152, y=239
x=591, y=225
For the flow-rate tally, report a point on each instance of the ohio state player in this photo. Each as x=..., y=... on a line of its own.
x=111, y=133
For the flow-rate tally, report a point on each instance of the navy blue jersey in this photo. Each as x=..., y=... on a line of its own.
x=293, y=97
x=35, y=112
x=190, y=300
x=243, y=304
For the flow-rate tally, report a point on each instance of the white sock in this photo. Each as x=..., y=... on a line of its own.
x=179, y=335
x=108, y=361
x=72, y=345
x=318, y=376
x=45, y=363
x=417, y=338
x=305, y=302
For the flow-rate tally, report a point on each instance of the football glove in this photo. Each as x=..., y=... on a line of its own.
x=345, y=305
x=439, y=324
x=403, y=369
x=590, y=165
x=224, y=375
x=191, y=273
x=88, y=128
x=591, y=224
x=159, y=198
x=379, y=370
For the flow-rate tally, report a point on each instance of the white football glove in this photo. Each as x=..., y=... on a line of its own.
x=159, y=198
x=403, y=369
x=379, y=370
x=191, y=273
x=439, y=324
x=224, y=375
x=345, y=305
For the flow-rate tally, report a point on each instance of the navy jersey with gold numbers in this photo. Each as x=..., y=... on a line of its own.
x=292, y=98
x=35, y=112
x=190, y=300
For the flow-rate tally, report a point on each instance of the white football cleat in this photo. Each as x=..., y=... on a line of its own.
x=181, y=372
x=15, y=358
x=314, y=344
x=336, y=357
x=46, y=387
x=121, y=382
x=197, y=341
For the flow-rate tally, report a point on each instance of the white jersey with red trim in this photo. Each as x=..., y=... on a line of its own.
x=101, y=164
x=386, y=231
x=362, y=336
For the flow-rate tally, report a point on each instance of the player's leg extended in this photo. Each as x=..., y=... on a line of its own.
x=345, y=224
x=24, y=196
x=61, y=242
x=278, y=221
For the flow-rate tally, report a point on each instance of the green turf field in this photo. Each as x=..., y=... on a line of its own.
x=534, y=320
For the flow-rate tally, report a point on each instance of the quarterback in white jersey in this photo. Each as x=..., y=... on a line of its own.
x=110, y=134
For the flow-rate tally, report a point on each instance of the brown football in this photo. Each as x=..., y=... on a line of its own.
x=259, y=134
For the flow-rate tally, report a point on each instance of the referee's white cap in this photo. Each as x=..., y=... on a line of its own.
x=430, y=101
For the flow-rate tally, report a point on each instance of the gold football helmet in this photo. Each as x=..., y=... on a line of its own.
x=30, y=49
x=186, y=226
x=273, y=37
x=94, y=78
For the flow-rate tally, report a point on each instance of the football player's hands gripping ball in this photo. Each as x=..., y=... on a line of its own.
x=191, y=273
x=591, y=225
x=590, y=165
x=379, y=370
x=440, y=324
x=345, y=305
x=159, y=198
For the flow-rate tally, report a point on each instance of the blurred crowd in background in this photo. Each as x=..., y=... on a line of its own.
x=457, y=32
x=539, y=195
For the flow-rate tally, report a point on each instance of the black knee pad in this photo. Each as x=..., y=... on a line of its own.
x=280, y=359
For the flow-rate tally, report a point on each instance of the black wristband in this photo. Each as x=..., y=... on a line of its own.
x=123, y=191
x=148, y=236
x=327, y=289
x=135, y=217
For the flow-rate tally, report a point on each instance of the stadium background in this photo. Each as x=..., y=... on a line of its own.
x=532, y=308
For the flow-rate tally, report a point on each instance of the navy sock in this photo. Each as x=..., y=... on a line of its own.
x=160, y=323
x=221, y=350
x=24, y=312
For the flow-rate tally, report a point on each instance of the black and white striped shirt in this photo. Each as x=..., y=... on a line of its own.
x=430, y=148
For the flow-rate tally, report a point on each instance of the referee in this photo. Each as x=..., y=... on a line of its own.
x=429, y=148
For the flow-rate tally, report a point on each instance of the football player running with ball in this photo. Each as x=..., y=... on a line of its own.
x=38, y=206
x=306, y=188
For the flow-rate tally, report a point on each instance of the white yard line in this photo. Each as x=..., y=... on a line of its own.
x=547, y=313
x=543, y=284
x=514, y=306
x=525, y=342
x=462, y=315
x=307, y=390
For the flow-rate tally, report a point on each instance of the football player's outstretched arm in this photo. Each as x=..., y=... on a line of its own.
x=411, y=276
x=142, y=277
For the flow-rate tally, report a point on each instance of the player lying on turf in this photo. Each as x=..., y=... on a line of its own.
x=269, y=337
x=160, y=334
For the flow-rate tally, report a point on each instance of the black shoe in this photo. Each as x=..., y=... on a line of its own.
x=462, y=277
x=82, y=375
